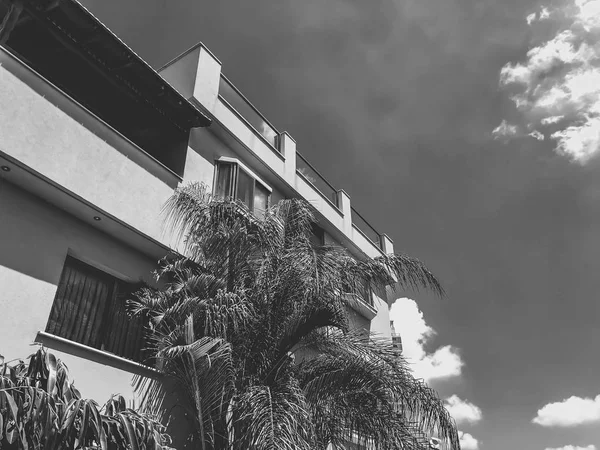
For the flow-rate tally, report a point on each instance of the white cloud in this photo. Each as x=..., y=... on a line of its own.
x=569, y=413
x=542, y=15
x=573, y=447
x=537, y=135
x=462, y=410
x=589, y=14
x=468, y=442
x=408, y=320
x=551, y=120
x=558, y=84
x=504, y=130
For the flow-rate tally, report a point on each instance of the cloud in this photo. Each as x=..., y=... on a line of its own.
x=543, y=14
x=463, y=411
x=569, y=413
x=444, y=362
x=504, y=130
x=557, y=87
x=551, y=120
x=468, y=442
x=573, y=447
x=537, y=135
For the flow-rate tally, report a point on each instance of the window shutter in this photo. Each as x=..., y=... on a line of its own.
x=123, y=333
x=80, y=303
x=90, y=307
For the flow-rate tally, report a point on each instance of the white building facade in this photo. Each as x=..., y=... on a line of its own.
x=92, y=143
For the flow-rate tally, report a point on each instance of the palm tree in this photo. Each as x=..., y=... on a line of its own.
x=41, y=409
x=252, y=324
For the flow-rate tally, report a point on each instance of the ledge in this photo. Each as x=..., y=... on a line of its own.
x=318, y=191
x=37, y=184
x=251, y=127
x=375, y=246
x=93, y=354
x=359, y=305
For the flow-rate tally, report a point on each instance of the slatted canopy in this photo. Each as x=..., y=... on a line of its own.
x=67, y=45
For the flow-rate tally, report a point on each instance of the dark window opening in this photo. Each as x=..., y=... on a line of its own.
x=69, y=59
x=234, y=182
x=90, y=308
x=317, y=235
x=397, y=342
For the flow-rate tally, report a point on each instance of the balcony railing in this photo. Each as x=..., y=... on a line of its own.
x=363, y=304
x=366, y=228
x=246, y=110
x=241, y=106
x=316, y=179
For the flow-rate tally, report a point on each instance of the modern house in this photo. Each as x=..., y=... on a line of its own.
x=92, y=143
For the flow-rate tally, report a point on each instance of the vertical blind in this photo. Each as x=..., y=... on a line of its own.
x=90, y=307
x=233, y=182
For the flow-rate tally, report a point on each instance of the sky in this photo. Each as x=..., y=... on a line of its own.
x=469, y=132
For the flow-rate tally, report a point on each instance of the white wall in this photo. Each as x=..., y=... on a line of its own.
x=46, y=134
x=35, y=240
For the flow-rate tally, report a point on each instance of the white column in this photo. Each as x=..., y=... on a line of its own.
x=387, y=244
x=287, y=147
x=208, y=78
x=196, y=74
x=346, y=209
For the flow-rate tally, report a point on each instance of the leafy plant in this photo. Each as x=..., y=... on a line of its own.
x=252, y=324
x=41, y=409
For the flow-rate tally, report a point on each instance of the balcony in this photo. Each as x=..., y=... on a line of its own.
x=366, y=229
x=308, y=173
x=317, y=181
x=75, y=52
x=197, y=74
x=241, y=106
x=362, y=305
x=73, y=159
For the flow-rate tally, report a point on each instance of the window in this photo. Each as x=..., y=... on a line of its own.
x=397, y=342
x=236, y=182
x=317, y=235
x=90, y=308
x=363, y=292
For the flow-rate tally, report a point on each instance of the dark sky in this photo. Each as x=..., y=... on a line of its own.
x=395, y=102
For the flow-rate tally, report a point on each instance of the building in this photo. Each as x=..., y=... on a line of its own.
x=92, y=143
x=396, y=338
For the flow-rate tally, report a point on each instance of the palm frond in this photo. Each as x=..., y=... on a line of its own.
x=247, y=296
x=346, y=364
x=272, y=418
x=40, y=408
x=408, y=272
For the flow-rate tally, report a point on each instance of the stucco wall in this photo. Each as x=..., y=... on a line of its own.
x=380, y=324
x=54, y=136
x=35, y=240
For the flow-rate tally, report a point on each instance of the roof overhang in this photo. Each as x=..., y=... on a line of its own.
x=77, y=29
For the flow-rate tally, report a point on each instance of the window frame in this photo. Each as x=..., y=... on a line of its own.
x=110, y=314
x=234, y=184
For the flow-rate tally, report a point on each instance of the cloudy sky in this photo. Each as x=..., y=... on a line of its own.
x=468, y=131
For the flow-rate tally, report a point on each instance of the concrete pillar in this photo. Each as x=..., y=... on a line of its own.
x=387, y=245
x=287, y=147
x=346, y=209
x=208, y=78
x=196, y=74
